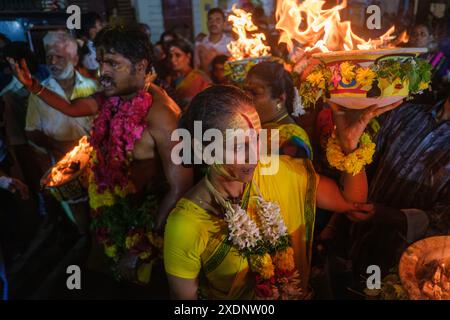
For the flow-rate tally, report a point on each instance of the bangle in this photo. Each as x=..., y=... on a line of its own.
x=35, y=87
x=353, y=162
x=40, y=91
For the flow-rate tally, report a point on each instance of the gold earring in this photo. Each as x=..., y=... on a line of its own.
x=279, y=106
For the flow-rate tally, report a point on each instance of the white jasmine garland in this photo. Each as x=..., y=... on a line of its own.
x=247, y=236
x=272, y=224
x=243, y=231
x=299, y=108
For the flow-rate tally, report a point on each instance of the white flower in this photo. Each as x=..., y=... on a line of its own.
x=243, y=231
x=299, y=108
x=273, y=227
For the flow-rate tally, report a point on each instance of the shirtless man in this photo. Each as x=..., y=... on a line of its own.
x=123, y=54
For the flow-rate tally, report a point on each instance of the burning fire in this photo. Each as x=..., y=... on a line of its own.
x=71, y=162
x=322, y=29
x=246, y=46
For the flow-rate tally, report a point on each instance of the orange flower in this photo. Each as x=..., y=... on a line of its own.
x=284, y=260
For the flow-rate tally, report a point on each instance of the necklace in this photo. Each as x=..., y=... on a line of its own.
x=277, y=120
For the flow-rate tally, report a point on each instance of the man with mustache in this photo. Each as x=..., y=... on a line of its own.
x=214, y=44
x=131, y=136
x=50, y=129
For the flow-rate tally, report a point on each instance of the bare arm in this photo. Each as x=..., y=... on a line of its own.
x=163, y=121
x=182, y=289
x=330, y=197
x=81, y=107
x=77, y=108
x=350, y=125
x=355, y=188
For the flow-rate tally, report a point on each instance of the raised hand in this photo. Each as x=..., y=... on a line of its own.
x=21, y=72
x=350, y=124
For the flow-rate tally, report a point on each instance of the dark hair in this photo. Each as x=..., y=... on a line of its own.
x=88, y=21
x=216, y=10
x=215, y=106
x=183, y=45
x=220, y=59
x=130, y=41
x=421, y=25
x=145, y=27
x=277, y=79
x=167, y=33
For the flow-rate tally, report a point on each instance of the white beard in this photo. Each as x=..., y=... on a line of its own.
x=66, y=74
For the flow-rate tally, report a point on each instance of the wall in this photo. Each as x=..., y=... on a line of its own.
x=200, y=12
x=150, y=12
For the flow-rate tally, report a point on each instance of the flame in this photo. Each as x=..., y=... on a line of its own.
x=246, y=46
x=79, y=153
x=322, y=29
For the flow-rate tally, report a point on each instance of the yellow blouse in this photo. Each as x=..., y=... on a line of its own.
x=195, y=240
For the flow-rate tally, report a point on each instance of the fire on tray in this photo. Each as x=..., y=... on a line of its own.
x=250, y=43
x=352, y=71
x=72, y=163
x=248, y=49
x=322, y=30
x=434, y=279
x=425, y=269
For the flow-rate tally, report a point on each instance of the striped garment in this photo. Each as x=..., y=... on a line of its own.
x=412, y=164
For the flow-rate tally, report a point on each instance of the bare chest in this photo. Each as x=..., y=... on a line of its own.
x=145, y=147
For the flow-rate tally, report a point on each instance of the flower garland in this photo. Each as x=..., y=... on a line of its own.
x=354, y=162
x=108, y=197
x=412, y=72
x=265, y=245
x=118, y=226
x=298, y=107
x=115, y=130
x=123, y=228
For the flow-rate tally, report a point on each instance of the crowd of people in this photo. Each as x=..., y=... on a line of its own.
x=110, y=83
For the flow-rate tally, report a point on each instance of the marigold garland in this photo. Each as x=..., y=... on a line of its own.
x=265, y=243
x=108, y=197
x=354, y=162
x=263, y=265
x=119, y=225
